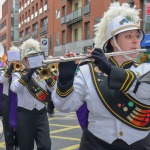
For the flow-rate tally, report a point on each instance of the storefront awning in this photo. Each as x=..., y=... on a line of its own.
x=146, y=41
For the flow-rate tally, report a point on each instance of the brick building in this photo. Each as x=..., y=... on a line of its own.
x=67, y=24
x=9, y=24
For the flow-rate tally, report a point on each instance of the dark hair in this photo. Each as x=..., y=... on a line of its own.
x=109, y=47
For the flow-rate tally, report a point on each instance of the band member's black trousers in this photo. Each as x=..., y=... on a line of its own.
x=33, y=125
x=91, y=142
x=9, y=133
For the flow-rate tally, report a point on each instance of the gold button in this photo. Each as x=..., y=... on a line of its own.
x=121, y=133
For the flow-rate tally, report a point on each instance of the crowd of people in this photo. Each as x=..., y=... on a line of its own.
x=109, y=95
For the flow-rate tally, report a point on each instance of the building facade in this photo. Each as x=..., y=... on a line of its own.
x=68, y=25
x=9, y=24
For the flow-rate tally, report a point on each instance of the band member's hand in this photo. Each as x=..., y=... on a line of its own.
x=10, y=69
x=49, y=80
x=66, y=71
x=27, y=77
x=101, y=60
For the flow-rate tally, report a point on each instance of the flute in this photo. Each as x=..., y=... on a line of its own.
x=58, y=59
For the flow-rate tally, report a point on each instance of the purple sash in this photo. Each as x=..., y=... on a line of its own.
x=13, y=102
x=1, y=94
x=82, y=115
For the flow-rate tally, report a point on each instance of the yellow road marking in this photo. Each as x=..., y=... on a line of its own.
x=2, y=144
x=71, y=147
x=65, y=138
x=61, y=118
x=65, y=129
x=60, y=125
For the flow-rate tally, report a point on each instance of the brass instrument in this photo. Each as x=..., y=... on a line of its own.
x=17, y=65
x=58, y=59
x=51, y=70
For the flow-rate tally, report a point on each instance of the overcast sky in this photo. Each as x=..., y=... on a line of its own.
x=1, y=2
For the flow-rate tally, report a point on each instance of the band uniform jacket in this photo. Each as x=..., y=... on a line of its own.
x=25, y=99
x=5, y=81
x=101, y=122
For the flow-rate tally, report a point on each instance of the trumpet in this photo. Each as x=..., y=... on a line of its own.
x=17, y=66
x=51, y=70
x=58, y=59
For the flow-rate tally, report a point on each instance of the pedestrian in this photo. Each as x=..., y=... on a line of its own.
x=9, y=132
x=32, y=120
x=112, y=88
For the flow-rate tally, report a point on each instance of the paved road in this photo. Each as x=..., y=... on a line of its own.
x=64, y=130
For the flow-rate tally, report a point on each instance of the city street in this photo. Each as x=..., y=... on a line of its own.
x=64, y=129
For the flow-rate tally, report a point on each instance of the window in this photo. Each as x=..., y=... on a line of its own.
x=44, y=22
x=35, y=26
x=63, y=37
x=63, y=10
x=146, y=18
x=29, y=13
x=76, y=6
x=15, y=35
x=14, y=20
x=87, y=30
x=57, y=39
x=36, y=6
x=25, y=15
x=28, y=31
x=3, y=24
x=76, y=35
x=33, y=10
x=87, y=1
x=57, y=14
x=41, y=3
x=22, y=34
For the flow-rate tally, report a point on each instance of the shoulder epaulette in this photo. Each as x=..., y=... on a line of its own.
x=136, y=64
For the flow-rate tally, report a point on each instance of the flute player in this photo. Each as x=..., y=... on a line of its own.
x=117, y=99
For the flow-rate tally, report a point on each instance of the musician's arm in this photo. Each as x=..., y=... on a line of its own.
x=16, y=86
x=128, y=80
x=69, y=97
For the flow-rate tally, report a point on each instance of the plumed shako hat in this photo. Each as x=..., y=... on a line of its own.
x=117, y=19
x=29, y=47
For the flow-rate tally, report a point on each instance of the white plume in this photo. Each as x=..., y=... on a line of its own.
x=14, y=48
x=29, y=46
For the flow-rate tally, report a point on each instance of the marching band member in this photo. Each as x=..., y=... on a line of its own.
x=9, y=132
x=118, y=105
x=32, y=120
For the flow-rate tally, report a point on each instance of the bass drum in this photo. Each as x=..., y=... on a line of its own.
x=1, y=127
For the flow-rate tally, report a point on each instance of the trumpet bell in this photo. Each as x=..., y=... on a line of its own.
x=53, y=69
x=17, y=66
x=44, y=73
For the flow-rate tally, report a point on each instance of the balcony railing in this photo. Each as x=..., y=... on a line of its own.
x=21, y=39
x=27, y=36
x=43, y=30
x=35, y=33
x=63, y=19
x=86, y=9
x=76, y=15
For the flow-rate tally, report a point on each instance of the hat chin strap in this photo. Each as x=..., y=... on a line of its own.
x=119, y=49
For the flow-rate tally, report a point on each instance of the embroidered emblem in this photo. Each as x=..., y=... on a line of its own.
x=127, y=19
x=38, y=78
